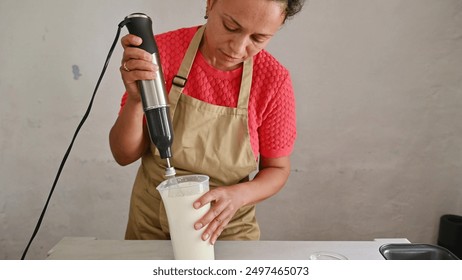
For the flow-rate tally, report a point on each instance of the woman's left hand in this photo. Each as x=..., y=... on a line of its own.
x=225, y=201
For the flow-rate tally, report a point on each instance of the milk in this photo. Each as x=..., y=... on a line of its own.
x=178, y=200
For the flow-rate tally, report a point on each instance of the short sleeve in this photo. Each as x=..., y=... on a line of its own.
x=278, y=131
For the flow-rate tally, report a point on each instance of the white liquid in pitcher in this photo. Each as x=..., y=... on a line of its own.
x=187, y=242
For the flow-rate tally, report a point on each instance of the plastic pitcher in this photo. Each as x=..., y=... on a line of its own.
x=178, y=195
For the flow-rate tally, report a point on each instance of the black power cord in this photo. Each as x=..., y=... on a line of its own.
x=66, y=155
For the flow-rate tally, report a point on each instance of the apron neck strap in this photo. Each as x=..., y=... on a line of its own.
x=179, y=81
x=246, y=84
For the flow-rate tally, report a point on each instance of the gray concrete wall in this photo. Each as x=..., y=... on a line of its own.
x=379, y=96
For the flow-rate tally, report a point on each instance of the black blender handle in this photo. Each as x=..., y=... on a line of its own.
x=140, y=25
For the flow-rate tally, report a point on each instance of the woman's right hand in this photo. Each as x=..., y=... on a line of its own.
x=136, y=65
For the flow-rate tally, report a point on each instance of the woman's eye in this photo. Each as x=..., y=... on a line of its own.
x=229, y=28
x=257, y=39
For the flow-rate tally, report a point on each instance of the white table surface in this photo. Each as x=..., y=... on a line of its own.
x=90, y=248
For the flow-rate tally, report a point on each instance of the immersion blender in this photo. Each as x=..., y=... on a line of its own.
x=153, y=92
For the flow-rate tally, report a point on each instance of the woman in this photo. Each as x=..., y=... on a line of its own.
x=236, y=107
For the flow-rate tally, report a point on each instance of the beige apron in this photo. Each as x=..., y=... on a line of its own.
x=208, y=139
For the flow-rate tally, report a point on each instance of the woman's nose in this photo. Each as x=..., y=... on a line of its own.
x=239, y=45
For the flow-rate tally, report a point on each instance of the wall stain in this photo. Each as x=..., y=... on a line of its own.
x=44, y=36
x=76, y=72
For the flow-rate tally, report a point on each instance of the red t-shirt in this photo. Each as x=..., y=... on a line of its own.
x=272, y=123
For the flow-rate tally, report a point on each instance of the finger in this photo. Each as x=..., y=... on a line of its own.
x=137, y=70
x=215, y=210
x=130, y=40
x=139, y=65
x=130, y=77
x=136, y=54
x=136, y=75
x=218, y=232
x=130, y=43
x=219, y=220
x=216, y=227
x=208, y=197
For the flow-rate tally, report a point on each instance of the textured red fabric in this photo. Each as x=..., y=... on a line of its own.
x=272, y=123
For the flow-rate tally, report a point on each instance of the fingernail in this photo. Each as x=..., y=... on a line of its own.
x=206, y=236
x=198, y=226
x=212, y=242
x=197, y=205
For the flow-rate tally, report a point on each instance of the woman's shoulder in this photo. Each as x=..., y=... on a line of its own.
x=268, y=72
x=182, y=35
x=267, y=65
x=172, y=46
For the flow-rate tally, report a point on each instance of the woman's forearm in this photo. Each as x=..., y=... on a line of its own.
x=127, y=137
x=269, y=180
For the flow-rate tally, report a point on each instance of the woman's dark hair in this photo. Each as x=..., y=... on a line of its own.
x=292, y=7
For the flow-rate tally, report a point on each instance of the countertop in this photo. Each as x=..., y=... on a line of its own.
x=91, y=248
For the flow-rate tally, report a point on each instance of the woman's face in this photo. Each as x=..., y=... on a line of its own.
x=239, y=29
